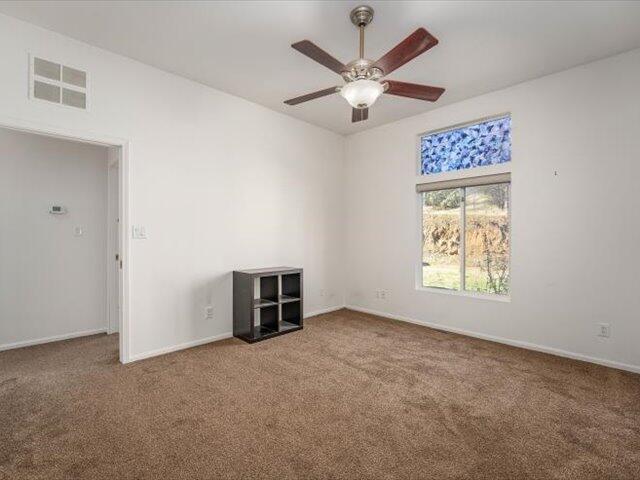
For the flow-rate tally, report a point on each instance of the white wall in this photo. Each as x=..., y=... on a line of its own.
x=575, y=236
x=218, y=182
x=52, y=283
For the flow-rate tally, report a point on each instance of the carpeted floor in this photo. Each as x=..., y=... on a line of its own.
x=352, y=396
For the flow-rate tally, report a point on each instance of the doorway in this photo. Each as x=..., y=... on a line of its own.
x=61, y=245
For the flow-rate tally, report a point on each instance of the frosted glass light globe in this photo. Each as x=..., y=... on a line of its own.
x=361, y=93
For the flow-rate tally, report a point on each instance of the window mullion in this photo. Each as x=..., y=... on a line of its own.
x=463, y=216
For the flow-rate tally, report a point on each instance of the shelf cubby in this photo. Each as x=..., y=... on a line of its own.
x=290, y=313
x=269, y=288
x=291, y=284
x=266, y=321
x=267, y=302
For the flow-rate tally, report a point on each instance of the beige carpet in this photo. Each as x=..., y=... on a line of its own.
x=351, y=397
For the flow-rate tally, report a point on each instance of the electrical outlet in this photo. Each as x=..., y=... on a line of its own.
x=604, y=330
x=380, y=294
x=208, y=311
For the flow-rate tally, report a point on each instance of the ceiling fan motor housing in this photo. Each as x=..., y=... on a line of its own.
x=360, y=69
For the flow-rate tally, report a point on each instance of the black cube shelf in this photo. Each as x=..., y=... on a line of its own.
x=267, y=302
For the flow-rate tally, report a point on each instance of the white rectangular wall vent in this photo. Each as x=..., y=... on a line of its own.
x=57, y=83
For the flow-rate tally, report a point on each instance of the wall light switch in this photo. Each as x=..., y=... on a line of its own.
x=139, y=232
x=78, y=232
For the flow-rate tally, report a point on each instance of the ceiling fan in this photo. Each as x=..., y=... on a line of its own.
x=363, y=77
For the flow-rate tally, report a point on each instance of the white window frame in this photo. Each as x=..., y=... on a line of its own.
x=469, y=173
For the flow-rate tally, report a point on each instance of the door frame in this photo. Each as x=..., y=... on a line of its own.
x=122, y=145
x=113, y=241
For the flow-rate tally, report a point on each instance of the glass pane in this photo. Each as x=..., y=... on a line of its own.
x=477, y=145
x=441, y=239
x=487, y=242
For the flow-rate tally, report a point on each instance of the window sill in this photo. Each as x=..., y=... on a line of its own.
x=457, y=293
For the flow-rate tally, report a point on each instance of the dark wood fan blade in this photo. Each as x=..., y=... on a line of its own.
x=311, y=96
x=418, y=42
x=316, y=53
x=413, y=90
x=359, y=114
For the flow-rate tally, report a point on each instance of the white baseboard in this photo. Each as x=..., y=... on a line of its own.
x=180, y=346
x=54, y=338
x=506, y=341
x=322, y=311
x=215, y=338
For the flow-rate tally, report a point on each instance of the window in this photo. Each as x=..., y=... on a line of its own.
x=466, y=221
x=466, y=234
x=475, y=145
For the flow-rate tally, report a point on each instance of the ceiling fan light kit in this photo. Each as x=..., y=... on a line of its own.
x=363, y=77
x=361, y=93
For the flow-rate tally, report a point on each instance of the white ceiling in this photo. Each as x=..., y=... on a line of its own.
x=243, y=48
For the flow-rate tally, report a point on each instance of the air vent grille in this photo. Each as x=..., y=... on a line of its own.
x=58, y=83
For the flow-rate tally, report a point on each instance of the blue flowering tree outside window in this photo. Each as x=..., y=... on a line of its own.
x=477, y=145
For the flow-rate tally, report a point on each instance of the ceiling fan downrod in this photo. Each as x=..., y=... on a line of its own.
x=361, y=68
x=361, y=16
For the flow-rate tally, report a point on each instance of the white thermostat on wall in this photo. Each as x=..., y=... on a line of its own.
x=57, y=210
